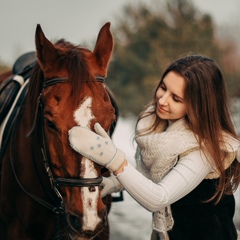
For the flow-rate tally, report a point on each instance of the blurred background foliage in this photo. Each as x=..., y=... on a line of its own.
x=148, y=38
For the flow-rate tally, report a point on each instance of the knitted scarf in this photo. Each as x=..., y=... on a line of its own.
x=156, y=155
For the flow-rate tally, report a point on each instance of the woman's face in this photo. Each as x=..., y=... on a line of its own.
x=170, y=97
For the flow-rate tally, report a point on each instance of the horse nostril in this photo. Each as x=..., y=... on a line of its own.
x=74, y=222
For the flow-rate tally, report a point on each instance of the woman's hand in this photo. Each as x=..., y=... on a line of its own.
x=96, y=146
x=110, y=185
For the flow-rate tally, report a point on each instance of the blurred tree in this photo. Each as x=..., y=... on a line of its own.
x=148, y=39
x=230, y=59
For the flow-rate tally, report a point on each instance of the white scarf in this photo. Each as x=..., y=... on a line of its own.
x=156, y=155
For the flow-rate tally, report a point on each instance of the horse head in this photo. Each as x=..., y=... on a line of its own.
x=72, y=92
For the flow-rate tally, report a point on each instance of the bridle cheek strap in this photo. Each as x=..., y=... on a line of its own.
x=91, y=183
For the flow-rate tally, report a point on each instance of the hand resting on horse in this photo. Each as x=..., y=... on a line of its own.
x=110, y=185
x=97, y=146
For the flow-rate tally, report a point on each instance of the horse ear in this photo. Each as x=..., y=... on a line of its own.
x=46, y=52
x=104, y=47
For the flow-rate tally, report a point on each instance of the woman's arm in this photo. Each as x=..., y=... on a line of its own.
x=182, y=179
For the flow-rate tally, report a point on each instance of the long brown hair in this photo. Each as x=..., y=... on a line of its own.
x=208, y=114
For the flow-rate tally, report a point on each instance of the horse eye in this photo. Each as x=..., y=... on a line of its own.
x=51, y=124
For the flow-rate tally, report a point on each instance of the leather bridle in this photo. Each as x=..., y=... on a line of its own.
x=55, y=181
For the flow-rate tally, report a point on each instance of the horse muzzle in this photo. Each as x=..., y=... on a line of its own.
x=79, y=232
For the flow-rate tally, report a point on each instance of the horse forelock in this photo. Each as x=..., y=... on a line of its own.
x=70, y=62
x=72, y=59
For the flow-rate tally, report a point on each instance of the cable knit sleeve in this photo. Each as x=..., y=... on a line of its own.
x=182, y=179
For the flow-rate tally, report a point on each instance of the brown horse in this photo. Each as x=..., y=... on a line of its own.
x=48, y=191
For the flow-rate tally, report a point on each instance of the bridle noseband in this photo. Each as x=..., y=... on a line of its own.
x=91, y=183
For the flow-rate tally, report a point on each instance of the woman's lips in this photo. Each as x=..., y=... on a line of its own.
x=160, y=109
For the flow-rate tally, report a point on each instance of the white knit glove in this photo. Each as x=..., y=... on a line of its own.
x=96, y=146
x=110, y=185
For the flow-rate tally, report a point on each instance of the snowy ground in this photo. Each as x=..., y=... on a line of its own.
x=128, y=220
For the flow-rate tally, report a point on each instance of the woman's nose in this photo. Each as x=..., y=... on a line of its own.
x=163, y=100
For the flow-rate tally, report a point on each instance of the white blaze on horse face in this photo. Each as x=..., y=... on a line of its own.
x=83, y=116
x=90, y=199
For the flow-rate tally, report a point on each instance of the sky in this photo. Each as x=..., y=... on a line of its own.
x=77, y=21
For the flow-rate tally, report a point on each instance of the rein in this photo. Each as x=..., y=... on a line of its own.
x=91, y=183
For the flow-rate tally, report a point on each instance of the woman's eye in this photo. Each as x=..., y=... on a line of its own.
x=177, y=99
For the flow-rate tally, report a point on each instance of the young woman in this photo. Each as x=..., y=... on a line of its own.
x=188, y=155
